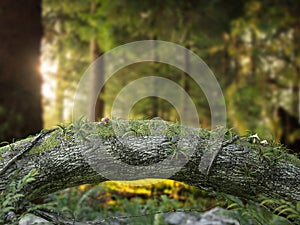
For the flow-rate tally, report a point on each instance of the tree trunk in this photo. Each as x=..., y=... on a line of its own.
x=71, y=156
x=20, y=81
x=98, y=76
x=155, y=99
x=97, y=82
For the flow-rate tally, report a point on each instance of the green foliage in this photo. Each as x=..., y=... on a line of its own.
x=103, y=203
x=11, y=199
x=272, y=154
x=268, y=150
x=284, y=208
x=248, y=212
x=84, y=129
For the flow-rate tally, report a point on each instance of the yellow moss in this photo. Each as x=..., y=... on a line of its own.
x=146, y=186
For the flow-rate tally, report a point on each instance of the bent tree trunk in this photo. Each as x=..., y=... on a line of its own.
x=92, y=153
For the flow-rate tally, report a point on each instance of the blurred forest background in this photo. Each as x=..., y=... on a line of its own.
x=251, y=46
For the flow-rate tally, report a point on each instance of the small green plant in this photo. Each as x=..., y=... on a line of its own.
x=175, y=151
x=289, y=210
x=229, y=134
x=247, y=171
x=272, y=154
x=11, y=197
x=247, y=212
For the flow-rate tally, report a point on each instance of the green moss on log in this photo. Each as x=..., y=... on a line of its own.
x=50, y=143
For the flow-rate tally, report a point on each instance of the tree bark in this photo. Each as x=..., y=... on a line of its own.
x=68, y=157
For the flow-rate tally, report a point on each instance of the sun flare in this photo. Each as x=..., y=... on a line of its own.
x=47, y=70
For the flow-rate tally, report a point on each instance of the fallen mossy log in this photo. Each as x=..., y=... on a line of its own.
x=129, y=150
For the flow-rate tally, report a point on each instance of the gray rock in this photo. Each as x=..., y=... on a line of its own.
x=212, y=217
x=31, y=219
x=175, y=218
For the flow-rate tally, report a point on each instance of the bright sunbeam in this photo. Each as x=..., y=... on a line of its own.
x=47, y=69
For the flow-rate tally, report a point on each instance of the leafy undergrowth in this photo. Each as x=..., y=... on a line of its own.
x=149, y=204
x=11, y=198
x=137, y=204
x=146, y=202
